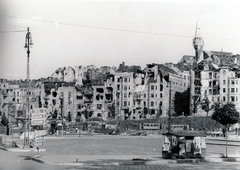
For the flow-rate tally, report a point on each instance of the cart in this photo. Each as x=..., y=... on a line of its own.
x=183, y=145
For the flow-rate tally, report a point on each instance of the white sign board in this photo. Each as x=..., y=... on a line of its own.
x=38, y=139
x=38, y=116
x=37, y=122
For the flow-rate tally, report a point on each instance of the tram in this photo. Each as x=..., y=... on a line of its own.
x=149, y=126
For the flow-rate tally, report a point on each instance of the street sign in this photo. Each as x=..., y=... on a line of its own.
x=37, y=122
x=38, y=116
x=40, y=133
x=38, y=139
x=36, y=144
x=38, y=110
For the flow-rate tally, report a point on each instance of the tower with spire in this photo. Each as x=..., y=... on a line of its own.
x=198, y=43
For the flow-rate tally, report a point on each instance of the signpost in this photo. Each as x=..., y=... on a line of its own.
x=37, y=141
x=38, y=117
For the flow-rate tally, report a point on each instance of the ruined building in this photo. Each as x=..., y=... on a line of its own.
x=215, y=76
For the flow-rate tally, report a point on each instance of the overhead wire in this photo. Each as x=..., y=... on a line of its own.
x=1, y=32
x=95, y=27
x=110, y=29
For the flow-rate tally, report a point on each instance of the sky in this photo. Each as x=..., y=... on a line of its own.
x=107, y=33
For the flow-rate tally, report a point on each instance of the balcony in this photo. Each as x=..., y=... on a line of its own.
x=88, y=95
x=88, y=101
x=108, y=101
x=125, y=108
x=46, y=98
x=138, y=107
x=109, y=92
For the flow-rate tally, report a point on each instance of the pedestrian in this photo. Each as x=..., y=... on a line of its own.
x=224, y=132
x=38, y=150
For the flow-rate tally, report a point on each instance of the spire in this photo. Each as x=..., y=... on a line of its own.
x=198, y=43
x=198, y=30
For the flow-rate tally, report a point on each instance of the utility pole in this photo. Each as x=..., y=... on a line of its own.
x=170, y=107
x=148, y=82
x=88, y=118
x=61, y=102
x=28, y=44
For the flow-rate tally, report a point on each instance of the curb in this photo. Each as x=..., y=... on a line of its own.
x=210, y=143
x=21, y=149
x=76, y=163
x=229, y=159
x=3, y=148
x=229, y=140
x=142, y=162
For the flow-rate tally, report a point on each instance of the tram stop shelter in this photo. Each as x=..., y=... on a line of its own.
x=183, y=145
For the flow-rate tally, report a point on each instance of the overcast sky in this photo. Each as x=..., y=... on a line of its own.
x=106, y=33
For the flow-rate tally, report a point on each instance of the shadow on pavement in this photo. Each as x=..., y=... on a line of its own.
x=26, y=157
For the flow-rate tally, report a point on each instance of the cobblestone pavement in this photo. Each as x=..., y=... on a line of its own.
x=199, y=166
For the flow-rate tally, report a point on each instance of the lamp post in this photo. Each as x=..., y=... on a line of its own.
x=9, y=123
x=28, y=44
x=88, y=118
x=61, y=106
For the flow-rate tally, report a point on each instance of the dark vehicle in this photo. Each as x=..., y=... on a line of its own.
x=104, y=130
x=138, y=134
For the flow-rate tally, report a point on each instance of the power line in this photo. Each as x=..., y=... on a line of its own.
x=95, y=27
x=115, y=29
x=1, y=32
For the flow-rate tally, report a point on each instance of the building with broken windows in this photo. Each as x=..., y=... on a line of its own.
x=216, y=76
x=149, y=99
x=62, y=98
x=102, y=98
x=123, y=94
x=218, y=83
x=13, y=98
x=128, y=92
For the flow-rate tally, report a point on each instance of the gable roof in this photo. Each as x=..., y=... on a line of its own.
x=181, y=67
x=187, y=59
x=165, y=70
